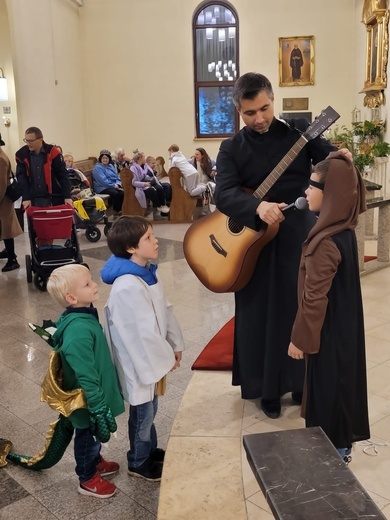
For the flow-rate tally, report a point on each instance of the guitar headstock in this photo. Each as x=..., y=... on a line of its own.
x=321, y=123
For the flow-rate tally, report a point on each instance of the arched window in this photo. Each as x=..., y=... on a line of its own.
x=215, y=32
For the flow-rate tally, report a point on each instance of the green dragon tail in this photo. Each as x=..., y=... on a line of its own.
x=57, y=440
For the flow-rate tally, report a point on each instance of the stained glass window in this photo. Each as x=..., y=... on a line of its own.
x=216, y=69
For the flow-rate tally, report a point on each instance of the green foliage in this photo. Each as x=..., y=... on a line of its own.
x=380, y=149
x=368, y=130
x=342, y=137
x=364, y=141
x=363, y=159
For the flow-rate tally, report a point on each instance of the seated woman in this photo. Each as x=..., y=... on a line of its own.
x=152, y=176
x=144, y=188
x=206, y=167
x=162, y=174
x=80, y=187
x=121, y=160
x=106, y=180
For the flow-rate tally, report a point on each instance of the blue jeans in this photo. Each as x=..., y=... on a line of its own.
x=344, y=452
x=142, y=432
x=86, y=453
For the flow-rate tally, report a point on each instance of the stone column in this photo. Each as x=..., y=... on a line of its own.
x=369, y=219
x=360, y=235
x=383, y=233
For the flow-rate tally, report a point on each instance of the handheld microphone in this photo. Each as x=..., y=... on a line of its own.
x=300, y=204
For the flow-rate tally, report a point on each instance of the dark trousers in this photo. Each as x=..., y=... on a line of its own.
x=156, y=195
x=10, y=248
x=116, y=197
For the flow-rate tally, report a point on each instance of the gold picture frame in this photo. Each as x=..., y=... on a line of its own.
x=375, y=16
x=296, y=61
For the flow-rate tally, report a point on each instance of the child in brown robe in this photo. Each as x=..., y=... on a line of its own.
x=328, y=329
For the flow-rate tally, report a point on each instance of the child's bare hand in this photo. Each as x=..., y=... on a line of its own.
x=178, y=356
x=294, y=352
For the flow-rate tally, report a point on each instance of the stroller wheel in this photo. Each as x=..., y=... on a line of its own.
x=107, y=228
x=28, y=268
x=93, y=233
x=39, y=282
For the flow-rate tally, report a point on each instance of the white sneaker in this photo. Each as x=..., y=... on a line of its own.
x=200, y=188
x=165, y=209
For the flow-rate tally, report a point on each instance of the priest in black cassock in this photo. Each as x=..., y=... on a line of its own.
x=266, y=307
x=296, y=62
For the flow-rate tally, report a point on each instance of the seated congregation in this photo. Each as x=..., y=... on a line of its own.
x=140, y=185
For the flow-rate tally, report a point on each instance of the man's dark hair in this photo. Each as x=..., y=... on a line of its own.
x=249, y=85
x=34, y=130
x=126, y=232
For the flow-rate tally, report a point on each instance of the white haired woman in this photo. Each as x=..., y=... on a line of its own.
x=121, y=160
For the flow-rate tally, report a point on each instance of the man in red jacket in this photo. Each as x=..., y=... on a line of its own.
x=41, y=171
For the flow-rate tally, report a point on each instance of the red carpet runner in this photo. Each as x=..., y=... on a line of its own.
x=218, y=353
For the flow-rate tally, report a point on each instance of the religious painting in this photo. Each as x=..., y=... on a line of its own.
x=296, y=61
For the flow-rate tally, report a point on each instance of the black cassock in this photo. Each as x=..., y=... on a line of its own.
x=266, y=307
x=296, y=62
x=329, y=327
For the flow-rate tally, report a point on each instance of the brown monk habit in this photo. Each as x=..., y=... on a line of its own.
x=329, y=324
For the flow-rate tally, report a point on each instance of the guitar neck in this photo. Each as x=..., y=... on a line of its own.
x=281, y=167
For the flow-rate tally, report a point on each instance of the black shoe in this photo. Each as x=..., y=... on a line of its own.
x=347, y=459
x=11, y=265
x=149, y=470
x=271, y=407
x=3, y=254
x=297, y=397
x=157, y=455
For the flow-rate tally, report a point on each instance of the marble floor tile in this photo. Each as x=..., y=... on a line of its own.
x=190, y=459
x=204, y=449
x=208, y=391
x=10, y=491
x=26, y=508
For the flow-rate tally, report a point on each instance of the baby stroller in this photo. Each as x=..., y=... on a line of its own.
x=46, y=225
x=90, y=210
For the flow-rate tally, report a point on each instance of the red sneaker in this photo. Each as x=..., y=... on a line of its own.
x=97, y=487
x=106, y=468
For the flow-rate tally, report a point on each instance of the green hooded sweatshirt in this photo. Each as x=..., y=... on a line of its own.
x=86, y=363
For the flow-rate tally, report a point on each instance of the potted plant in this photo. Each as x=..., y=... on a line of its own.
x=368, y=131
x=363, y=162
x=381, y=150
x=342, y=138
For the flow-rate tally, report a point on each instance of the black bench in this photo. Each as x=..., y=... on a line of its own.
x=303, y=477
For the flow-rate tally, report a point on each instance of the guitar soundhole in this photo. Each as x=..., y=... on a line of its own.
x=234, y=227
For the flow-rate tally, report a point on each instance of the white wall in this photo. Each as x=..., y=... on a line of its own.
x=125, y=67
x=10, y=134
x=47, y=64
x=140, y=68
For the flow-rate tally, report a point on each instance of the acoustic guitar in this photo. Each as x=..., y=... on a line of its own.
x=222, y=252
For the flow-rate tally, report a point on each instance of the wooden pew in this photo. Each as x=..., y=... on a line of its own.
x=85, y=164
x=182, y=205
x=130, y=205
